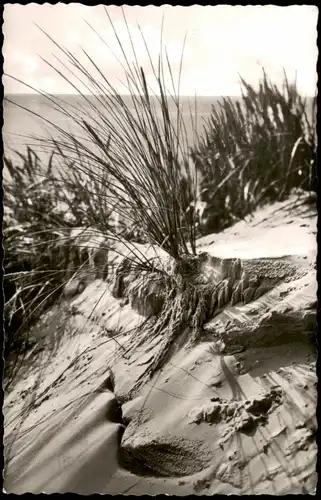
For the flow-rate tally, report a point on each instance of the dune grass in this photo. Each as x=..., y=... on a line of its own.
x=255, y=150
x=29, y=209
x=131, y=157
x=143, y=152
x=39, y=214
x=128, y=158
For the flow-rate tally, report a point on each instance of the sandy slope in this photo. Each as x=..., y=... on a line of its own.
x=238, y=421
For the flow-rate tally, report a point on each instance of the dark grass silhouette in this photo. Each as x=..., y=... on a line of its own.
x=137, y=173
x=255, y=150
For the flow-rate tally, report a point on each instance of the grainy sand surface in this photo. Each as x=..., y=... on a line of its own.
x=236, y=421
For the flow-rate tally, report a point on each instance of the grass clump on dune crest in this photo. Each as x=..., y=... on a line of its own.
x=255, y=150
x=135, y=141
x=131, y=157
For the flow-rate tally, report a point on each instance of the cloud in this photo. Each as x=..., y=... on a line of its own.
x=222, y=42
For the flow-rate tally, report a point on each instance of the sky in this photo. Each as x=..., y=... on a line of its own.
x=222, y=43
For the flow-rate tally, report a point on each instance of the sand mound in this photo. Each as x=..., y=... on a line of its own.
x=232, y=412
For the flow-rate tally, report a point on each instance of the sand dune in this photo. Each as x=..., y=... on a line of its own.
x=234, y=413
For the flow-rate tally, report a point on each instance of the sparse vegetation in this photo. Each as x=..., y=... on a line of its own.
x=40, y=210
x=254, y=151
x=30, y=227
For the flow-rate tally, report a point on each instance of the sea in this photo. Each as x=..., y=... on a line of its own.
x=21, y=124
x=22, y=127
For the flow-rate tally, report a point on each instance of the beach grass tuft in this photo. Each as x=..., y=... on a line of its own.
x=255, y=150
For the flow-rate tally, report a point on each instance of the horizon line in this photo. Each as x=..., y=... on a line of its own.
x=125, y=95
x=129, y=95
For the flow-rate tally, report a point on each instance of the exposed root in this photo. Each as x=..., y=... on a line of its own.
x=188, y=293
x=175, y=298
